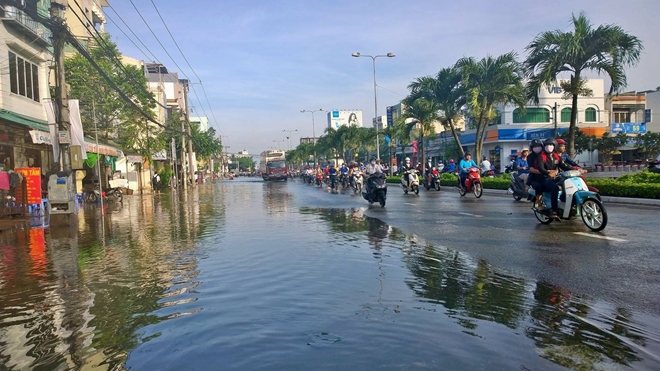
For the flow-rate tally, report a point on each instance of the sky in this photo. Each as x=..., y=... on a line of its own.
x=262, y=61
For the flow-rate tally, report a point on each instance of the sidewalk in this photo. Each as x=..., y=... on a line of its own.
x=606, y=199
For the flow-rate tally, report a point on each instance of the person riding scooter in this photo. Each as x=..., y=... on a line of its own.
x=536, y=145
x=465, y=164
x=450, y=168
x=486, y=167
x=370, y=170
x=407, y=166
x=548, y=163
x=561, y=151
x=522, y=165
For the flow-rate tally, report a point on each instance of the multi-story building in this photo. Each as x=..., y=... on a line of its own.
x=513, y=130
x=652, y=111
x=92, y=16
x=24, y=61
x=202, y=121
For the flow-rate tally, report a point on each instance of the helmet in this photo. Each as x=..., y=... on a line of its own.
x=451, y=161
x=535, y=143
x=407, y=159
x=561, y=142
x=550, y=141
x=524, y=149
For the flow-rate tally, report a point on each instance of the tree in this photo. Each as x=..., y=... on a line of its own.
x=606, y=49
x=95, y=94
x=583, y=142
x=244, y=163
x=649, y=145
x=423, y=113
x=391, y=133
x=608, y=146
x=448, y=92
x=490, y=82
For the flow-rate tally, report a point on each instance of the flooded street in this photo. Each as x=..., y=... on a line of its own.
x=247, y=275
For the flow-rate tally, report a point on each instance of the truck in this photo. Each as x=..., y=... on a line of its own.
x=272, y=165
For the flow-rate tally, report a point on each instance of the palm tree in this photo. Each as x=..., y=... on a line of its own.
x=448, y=92
x=423, y=113
x=393, y=132
x=605, y=49
x=489, y=83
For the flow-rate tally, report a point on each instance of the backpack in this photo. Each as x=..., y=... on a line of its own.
x=543, y=157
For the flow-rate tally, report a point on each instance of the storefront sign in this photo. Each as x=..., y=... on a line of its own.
x=511, y=134
x=133, y=159
x=629, y=128
x=64, y=137
x=41, y=137
x=102, y=149
x=160, y=156
x=32, y=184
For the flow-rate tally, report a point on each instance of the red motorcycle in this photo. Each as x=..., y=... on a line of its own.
x=472, y=183
x=432, y=180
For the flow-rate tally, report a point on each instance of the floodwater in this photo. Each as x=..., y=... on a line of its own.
x=246, y=275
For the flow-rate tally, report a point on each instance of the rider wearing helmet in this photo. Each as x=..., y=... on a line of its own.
x=406, y=167
x=548, y=163
x=465, y=164
x=450, y=168
x=536, y=147
x=561, y=151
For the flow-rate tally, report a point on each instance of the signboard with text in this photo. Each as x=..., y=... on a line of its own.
x=628, y=128
x=32, y=186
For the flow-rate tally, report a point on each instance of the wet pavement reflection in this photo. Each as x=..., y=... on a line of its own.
x=249, y=275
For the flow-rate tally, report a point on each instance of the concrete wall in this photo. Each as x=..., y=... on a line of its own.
x=653, y=102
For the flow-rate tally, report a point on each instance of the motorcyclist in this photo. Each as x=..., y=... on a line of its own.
x=485, y=165
x=370, y=170
x=548, y=163
x=536, y=145
x=522, y=165
x=561, y=151
x=332, y=172
x=450, y=168
x=464, y=166
x=407, y=166
x=343, y=170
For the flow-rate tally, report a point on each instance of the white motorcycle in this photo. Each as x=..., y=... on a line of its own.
x=410, y=181
x=358, y=181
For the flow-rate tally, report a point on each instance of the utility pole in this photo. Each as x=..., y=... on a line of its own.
x=190, y=148
x=184, y=181
x=63, y=123
x=555, y=116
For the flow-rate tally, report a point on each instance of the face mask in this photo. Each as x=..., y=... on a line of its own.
x=537, y=149
x=373, y=162
x=549, y=148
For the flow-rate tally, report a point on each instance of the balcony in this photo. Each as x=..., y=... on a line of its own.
x=17, y=17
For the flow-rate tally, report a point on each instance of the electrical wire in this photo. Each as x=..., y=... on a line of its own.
x=136, y=36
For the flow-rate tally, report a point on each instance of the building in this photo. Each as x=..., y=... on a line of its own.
x=202, y=121
x=338, y=118
x=25, y=139
x=308, y=140
x=513, y=130
x=243, y=153
x=91, y=13
x=652, y=111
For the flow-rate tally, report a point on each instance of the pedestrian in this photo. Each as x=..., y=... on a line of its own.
x=155, y=181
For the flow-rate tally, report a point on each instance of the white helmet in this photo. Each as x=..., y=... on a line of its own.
x=407, y=159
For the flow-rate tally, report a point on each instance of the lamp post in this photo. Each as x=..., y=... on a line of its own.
x=373, y=59
x=288, y=138
x=313, y=128
x=278, y=141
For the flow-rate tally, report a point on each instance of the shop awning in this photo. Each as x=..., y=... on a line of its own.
x=24, y=120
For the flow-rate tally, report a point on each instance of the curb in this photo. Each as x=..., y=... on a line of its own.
x=607, y=199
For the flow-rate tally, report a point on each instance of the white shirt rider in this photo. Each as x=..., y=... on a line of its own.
x=485, y=165
x=372, y=168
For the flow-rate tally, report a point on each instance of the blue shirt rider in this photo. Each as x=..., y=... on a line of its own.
x=332, y=170
x=464, y=165
x=343, y=169
x=561, y=151
x=521, y=163
x=450, y=168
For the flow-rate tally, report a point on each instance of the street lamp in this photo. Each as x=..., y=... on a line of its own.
x=289, y=137
x=278, y=141
x=313, y=128
x=373, y=58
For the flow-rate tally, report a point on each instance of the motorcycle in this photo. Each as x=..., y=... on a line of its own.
x=358, y=181
x=472, y=183
x=319, y=180
x=377, y=189
x=410, y=181
x=333, y=181
x=488, y=173
x=432, y=180
x=114, y=194
x=575, y=199
x=343, y=179
x=92, y=196
x=518, y=188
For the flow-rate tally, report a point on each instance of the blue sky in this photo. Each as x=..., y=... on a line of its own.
x=261, y=62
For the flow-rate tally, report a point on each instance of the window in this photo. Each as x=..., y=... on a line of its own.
x=566, y=114
x=590, y=115
x=23, y=77
x=532, y=115
x=621, y=116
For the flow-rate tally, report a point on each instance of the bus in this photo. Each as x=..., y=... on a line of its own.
x=272, y=165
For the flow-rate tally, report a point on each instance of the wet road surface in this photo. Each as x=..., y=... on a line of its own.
x=282, y=276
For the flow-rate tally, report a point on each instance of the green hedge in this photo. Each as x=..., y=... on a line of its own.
x=639, y=185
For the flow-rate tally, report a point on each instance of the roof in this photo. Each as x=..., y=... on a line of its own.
x=24, y=120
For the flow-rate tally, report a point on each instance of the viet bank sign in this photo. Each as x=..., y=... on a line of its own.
x=338, y=118
x=555, y=90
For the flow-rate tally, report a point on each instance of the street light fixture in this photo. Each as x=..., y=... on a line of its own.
x=289, y=137
x=373, y=58
x=313, y=128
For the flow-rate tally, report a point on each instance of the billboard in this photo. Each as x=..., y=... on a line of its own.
x=337, y=118
x=628, y=128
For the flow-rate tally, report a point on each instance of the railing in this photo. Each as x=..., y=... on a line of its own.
x=17, y=15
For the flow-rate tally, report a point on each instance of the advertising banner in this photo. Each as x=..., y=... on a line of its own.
x=629, y=128
x=32, y=184
x=41, y=137
x=337, y=118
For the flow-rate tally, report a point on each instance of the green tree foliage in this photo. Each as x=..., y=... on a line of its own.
x=649, y=145
x=113, y=114
x=449, y=93
x=244, y=163
x=605, y=49
x=608, y=146
x=491, y=82
x=583, y=142
x=422, y=113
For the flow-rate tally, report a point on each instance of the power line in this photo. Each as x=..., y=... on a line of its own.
x=191, y=68
x=136, y=36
